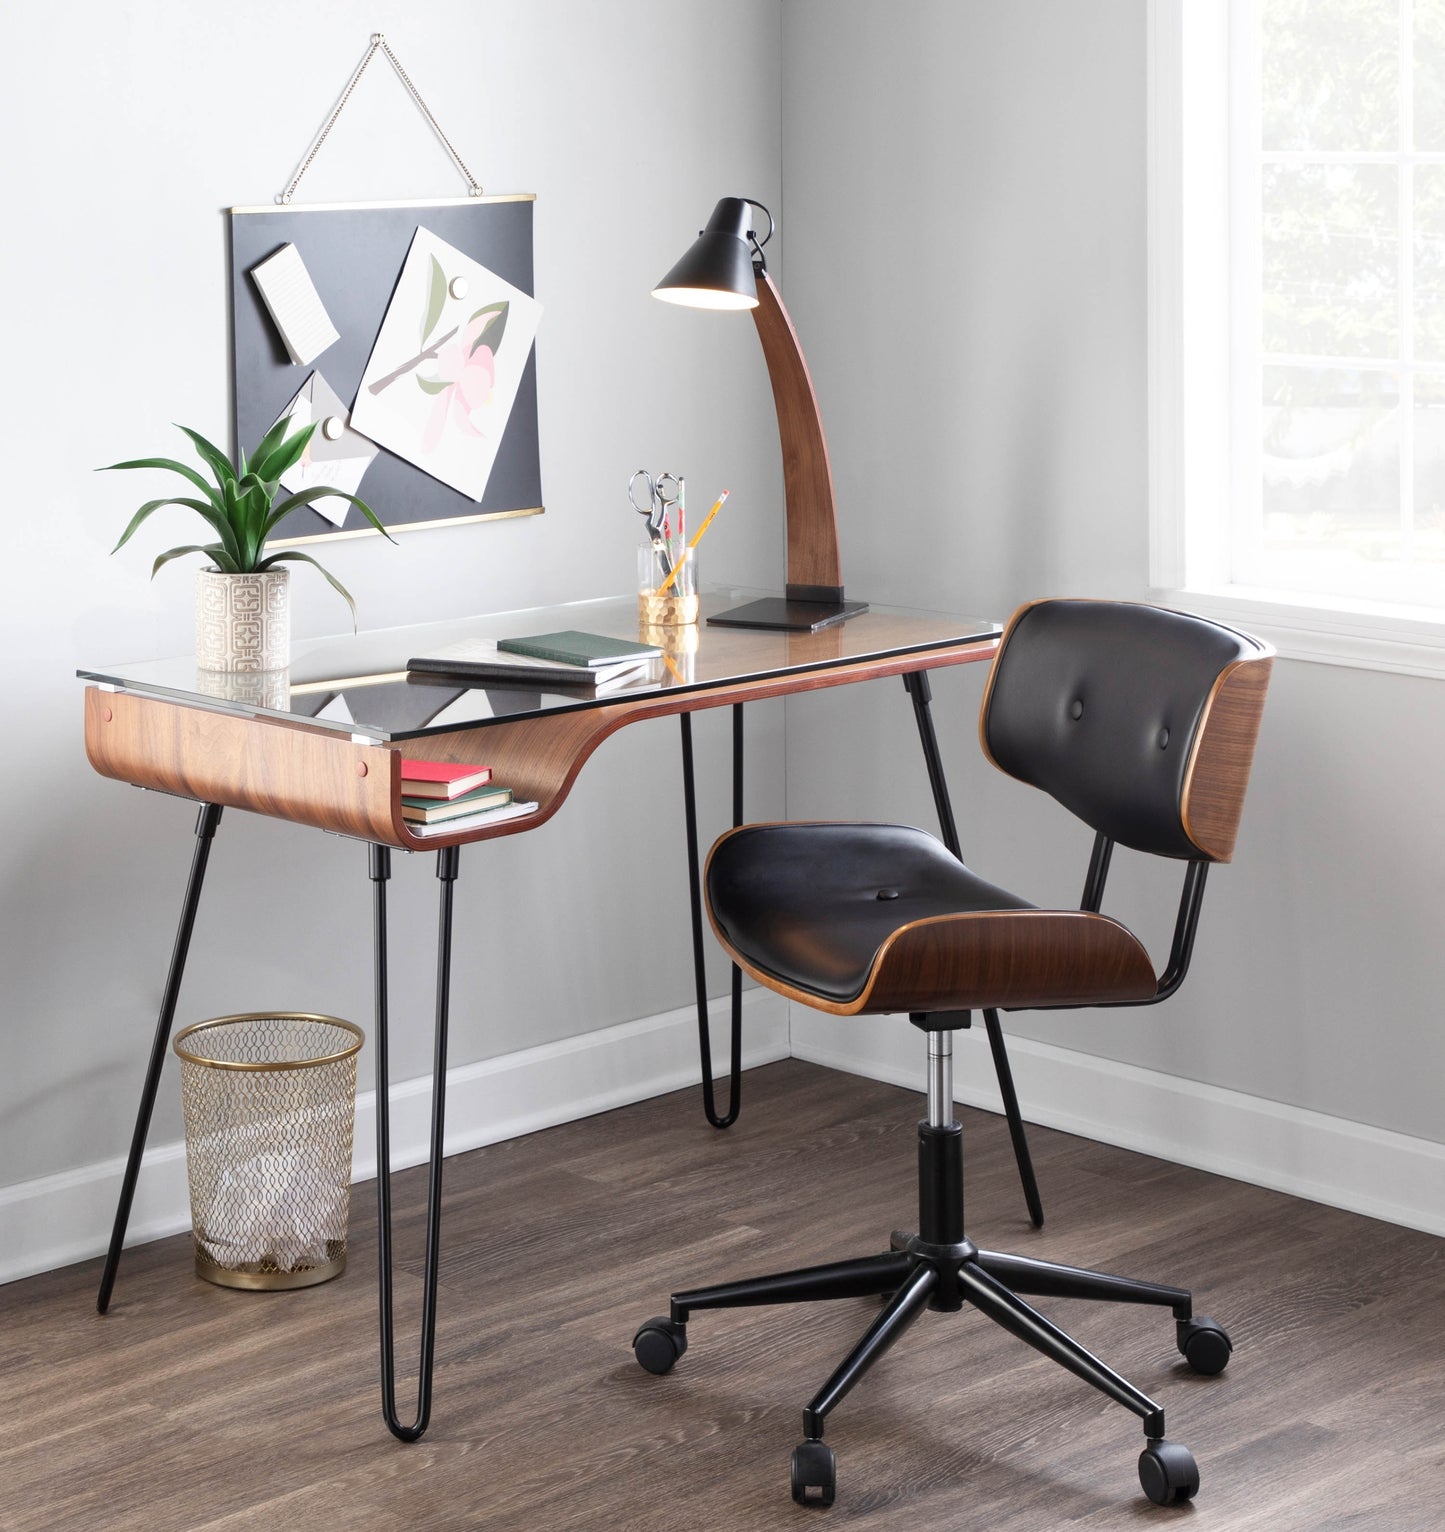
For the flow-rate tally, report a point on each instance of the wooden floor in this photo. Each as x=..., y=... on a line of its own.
x=189, y=1407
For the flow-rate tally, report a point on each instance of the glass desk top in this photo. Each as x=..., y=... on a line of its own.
x=357, y=684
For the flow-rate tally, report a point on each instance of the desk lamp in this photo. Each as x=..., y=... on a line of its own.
x=726, y=269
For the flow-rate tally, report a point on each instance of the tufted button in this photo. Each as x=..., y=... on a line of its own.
x=887, y=893
x=1164, y=739
x=1077, y=710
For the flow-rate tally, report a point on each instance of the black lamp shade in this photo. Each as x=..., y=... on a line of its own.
x=717, y=272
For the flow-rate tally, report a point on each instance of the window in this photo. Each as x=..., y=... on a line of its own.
x=1297, y=218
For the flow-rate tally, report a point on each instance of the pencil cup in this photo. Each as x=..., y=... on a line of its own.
x=677, y=604
x=679, y=650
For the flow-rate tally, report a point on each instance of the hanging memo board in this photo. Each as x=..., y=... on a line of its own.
x=400, y=280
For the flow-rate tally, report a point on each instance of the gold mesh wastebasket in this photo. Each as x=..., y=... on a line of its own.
x=269, y=1105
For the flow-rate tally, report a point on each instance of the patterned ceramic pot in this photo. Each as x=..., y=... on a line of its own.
x=256, y=688
x=243, y=621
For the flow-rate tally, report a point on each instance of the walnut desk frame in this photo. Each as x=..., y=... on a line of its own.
x=149, y=725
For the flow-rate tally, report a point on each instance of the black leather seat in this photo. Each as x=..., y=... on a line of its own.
x=1143, y=723
x=811, y=905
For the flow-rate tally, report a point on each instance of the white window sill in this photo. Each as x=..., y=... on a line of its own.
x=1405, y=640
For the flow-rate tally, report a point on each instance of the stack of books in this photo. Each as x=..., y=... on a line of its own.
x=581, y=664
x=441, y=798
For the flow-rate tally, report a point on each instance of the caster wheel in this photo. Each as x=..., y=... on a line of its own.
x=658, y=1344
x=1168, y=1472
x=1204, y=1344
x=815, y=1474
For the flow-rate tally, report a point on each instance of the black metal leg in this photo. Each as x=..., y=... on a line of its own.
x=208, y=817
x=916, y=684
x=736, y=1014
x=1047, y=1279
x=380, y=870
x=991, y=1297
x=902, y=1309
x=699, y=966
x=866, y=1277
x=919, y=690
x=1016, y=1133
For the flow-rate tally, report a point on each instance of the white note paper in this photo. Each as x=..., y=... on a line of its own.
x=294, y=304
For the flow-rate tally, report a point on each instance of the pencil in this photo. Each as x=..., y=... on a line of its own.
x=696, y=539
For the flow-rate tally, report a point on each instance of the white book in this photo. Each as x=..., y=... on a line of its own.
x=294, y=304
x=475, y=821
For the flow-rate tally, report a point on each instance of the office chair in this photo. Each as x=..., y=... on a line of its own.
x=1140, y=721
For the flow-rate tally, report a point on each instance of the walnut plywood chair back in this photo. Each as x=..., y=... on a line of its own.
x=1140, y=720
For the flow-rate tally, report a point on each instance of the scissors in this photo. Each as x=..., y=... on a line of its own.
x=663, y=492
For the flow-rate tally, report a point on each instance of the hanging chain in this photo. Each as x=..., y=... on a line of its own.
x=378, y=40
x=475, y=186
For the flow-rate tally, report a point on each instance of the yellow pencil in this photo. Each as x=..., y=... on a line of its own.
x=696, y=538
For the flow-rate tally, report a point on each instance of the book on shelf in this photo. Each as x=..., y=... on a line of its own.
x=513, y=810
x=440, y=779
x=433, y=810
x=481, y=663
x=570, y=647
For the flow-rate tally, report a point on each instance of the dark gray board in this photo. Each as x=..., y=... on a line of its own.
x=354, y=256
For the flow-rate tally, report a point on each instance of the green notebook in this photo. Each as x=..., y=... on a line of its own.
x=573, y=648
x=431, y=810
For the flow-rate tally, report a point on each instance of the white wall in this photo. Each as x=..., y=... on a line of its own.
x=128, y=129
x=965, y=193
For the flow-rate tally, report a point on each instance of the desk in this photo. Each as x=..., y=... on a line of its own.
x=319, y=746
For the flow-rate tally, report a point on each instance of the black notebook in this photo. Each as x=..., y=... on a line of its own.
x=480, y=662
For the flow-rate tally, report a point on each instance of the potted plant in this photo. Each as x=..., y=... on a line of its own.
x=243, y=614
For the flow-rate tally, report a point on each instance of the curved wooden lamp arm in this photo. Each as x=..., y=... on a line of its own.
x=814, y=573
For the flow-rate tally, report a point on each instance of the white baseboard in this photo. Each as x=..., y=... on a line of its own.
x=56, y=1220
x=1289, y=1149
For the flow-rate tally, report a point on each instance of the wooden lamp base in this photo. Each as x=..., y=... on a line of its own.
x=788, y=613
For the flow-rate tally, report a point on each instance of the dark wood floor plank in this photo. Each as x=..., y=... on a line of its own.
x=193, y=1409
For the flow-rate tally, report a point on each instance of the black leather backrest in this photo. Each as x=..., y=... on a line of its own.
x=1098, y=703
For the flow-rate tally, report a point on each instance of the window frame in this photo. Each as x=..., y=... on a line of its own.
x=1189, y=155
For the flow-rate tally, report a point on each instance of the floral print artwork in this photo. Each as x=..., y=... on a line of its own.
x=466, y=375
x=445, y=368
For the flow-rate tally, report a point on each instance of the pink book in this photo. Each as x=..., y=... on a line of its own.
x=440, y=779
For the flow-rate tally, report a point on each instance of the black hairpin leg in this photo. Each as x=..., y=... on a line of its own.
x=1015, y=1120
x=699, y=968
x=380, y=869
x=916, y=682
x=208, y=817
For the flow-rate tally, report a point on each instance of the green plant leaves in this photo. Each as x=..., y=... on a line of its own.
x=217, y=554
x=436, y=299
x=292, y=556
x=491, y=332
x=211, y=455
x=268, y=444
x=431, y=385
x=214, y=517
x=171, y=466
x=241, y=506
x=272, y=467
x=255, y=502
x=310, y=497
